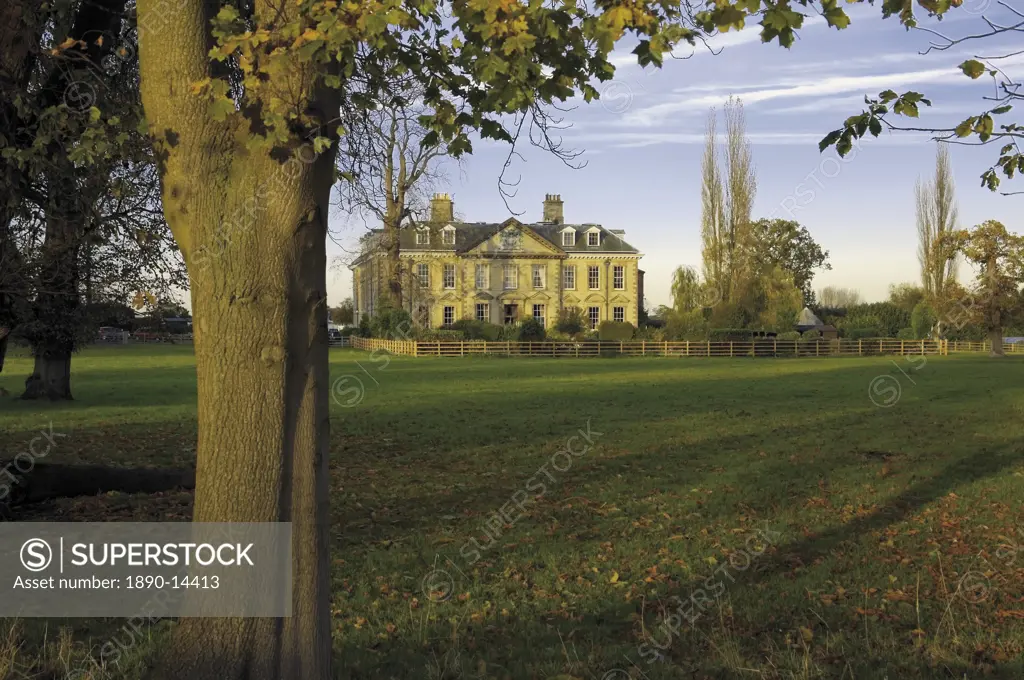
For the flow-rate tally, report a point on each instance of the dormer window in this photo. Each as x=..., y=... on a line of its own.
x=594, y=238
x=448, y=235
x=569, y=237
x=422, y=237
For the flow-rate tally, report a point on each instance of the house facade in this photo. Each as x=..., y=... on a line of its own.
x=503, y=272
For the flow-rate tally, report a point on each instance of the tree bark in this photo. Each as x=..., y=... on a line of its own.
x=251, y=223
x=260, y=324
x=393, y=263
x=995, y=337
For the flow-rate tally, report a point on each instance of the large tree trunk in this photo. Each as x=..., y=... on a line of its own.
x=393, y=264
x=251, y=223
x=995, y=338
x=54, y=319
x=260, y=324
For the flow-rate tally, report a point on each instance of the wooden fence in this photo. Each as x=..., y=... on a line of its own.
x=682, y=348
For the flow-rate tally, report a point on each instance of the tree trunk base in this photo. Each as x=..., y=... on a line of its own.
x=50, y=379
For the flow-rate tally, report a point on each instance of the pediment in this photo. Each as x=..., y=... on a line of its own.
x=571, y=299
x=620, y=298
x=515, y=239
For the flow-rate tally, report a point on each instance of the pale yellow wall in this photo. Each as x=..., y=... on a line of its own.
x=464, y=296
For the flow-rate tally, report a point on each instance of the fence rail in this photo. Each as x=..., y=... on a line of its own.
x=682, y=348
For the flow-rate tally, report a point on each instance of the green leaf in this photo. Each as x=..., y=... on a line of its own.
x=973, y=68
x=830, y=139
x=94, y=114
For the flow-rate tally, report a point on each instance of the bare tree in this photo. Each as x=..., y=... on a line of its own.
x=392, y=163
x=838, y=298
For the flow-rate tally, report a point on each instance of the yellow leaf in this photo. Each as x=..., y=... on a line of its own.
x=807, y=634
x=614, y=578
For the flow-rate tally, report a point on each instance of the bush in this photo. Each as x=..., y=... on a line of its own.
x=529, y=330
x=863, y=333
x=363, y=329
x=478, y=330
x=650, y=334
x=734, y=334
x=441, y=335
x=570, y=321
x=906, y=334
x=922, y=320
x=811, y=335
x=615, y=331
x=391, y=324
x=788, y=335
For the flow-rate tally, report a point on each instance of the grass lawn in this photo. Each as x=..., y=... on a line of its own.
x=719, y=518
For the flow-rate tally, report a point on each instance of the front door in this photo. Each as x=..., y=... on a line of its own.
x=511, y=314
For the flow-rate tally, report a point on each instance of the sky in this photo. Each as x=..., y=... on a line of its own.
x=642, y=145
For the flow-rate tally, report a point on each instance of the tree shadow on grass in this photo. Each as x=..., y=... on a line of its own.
x=737, y=628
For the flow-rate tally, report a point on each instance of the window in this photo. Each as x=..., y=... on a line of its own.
x=422, y=237
x=449, y=276
x=538, y=276
x=619, y=277
x=449, y=316
x=423, y=274
x=448, y=236
x=481, y=277
x=511, y=277
x=569, y=277
x=618, y=313
x=569, y=238
x=594, y=277
x=538, y=314
x=483, y=311
x=594, y=314
x=594, y=238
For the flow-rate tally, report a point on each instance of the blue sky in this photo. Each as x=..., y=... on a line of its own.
x=643, y=142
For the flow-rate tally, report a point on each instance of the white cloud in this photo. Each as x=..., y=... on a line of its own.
x=648, y=116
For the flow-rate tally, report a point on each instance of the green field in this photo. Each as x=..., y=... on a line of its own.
x=820, y=535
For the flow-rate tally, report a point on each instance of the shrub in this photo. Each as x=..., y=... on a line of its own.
x=788, y=335
x=615, y=331
x=650, y=333
x=922, y=320
x=391, y=324
x=478, y=330
x=863, y=333
x=570, y=321
x=686, y=326
x=364, y=327
x=811, y=335
x=529, y=330
x=906, y=334
x=734, y=334
x=441, y=335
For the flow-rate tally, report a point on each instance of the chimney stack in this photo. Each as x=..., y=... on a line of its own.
x=553, y=209
x=441, y=208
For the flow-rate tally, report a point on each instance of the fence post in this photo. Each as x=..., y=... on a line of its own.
x=730, y=349
x=903, y=348
x=687, y=348
x=775, y=350
x=643, y=348
x=817, y=348
x=664, y=349
x=860, y=347
x=620, y=346
x=577, y=346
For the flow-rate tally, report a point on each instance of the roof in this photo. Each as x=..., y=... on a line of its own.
x=808, y=318
x=469, y=235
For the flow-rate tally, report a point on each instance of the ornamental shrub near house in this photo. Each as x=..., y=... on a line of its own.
x=615, y=331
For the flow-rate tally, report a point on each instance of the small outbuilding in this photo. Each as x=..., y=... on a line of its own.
x=808, y=321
